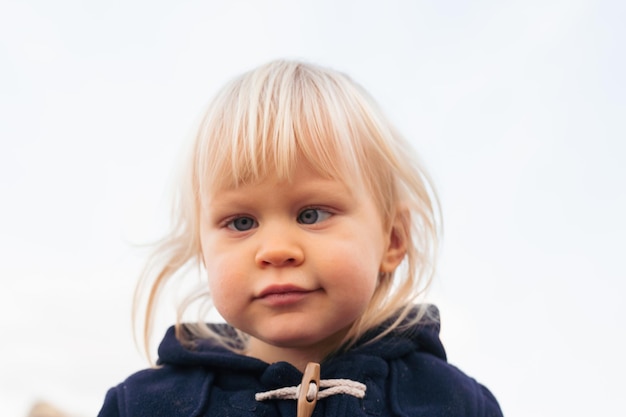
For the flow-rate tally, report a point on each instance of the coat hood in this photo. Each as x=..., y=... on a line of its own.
x=423, y=337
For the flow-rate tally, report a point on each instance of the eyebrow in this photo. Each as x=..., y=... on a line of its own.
x=332, y=188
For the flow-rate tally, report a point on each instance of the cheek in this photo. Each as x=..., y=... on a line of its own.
x=365, y=283
x=224, y=283
x=353, y=269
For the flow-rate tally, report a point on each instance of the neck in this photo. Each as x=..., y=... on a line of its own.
x=299, y=357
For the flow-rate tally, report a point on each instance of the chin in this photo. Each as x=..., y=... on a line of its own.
x=301, y=340
x=291, y=341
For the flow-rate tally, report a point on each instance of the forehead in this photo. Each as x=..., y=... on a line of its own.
x=302, y=172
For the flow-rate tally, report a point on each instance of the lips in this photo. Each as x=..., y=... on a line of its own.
x=281, y=290
x=282, y=295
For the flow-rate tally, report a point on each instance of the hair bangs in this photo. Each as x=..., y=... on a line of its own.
x=269, y=122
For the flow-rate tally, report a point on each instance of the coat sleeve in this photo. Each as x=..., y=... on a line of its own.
x=159, y=392
x=110, y=408
x=492, y=408
x=423, y=384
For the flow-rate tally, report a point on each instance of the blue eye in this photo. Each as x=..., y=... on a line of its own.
x=312, y=216
x=241, y=224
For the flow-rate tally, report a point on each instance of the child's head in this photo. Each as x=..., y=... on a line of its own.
x=307, y=142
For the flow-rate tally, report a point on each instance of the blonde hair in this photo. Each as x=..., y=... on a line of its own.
x=261, y=123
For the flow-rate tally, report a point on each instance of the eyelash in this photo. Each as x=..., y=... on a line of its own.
x=325, y=214
x=231, y=222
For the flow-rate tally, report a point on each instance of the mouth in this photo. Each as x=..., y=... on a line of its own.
x=282, y=295
x=281, y=289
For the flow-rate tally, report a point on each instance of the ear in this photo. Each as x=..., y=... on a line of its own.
x=397, y=242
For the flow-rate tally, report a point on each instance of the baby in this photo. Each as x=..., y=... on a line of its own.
x=317, y=231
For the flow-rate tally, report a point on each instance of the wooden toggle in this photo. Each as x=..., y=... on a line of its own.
x=311, y=376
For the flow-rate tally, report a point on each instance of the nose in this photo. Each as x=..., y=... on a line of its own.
x=279, y=248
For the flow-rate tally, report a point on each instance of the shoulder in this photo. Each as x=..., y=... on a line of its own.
x=165, y=391
x=420, y=380
x=429, y=384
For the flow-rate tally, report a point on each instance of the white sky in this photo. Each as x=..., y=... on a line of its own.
x=516, y=107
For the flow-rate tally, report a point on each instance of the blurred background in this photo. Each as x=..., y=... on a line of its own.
x=517, y=109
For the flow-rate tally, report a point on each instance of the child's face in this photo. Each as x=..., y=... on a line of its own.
x=293, y=264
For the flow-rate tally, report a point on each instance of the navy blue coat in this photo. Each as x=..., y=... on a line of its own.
x=406, y=374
